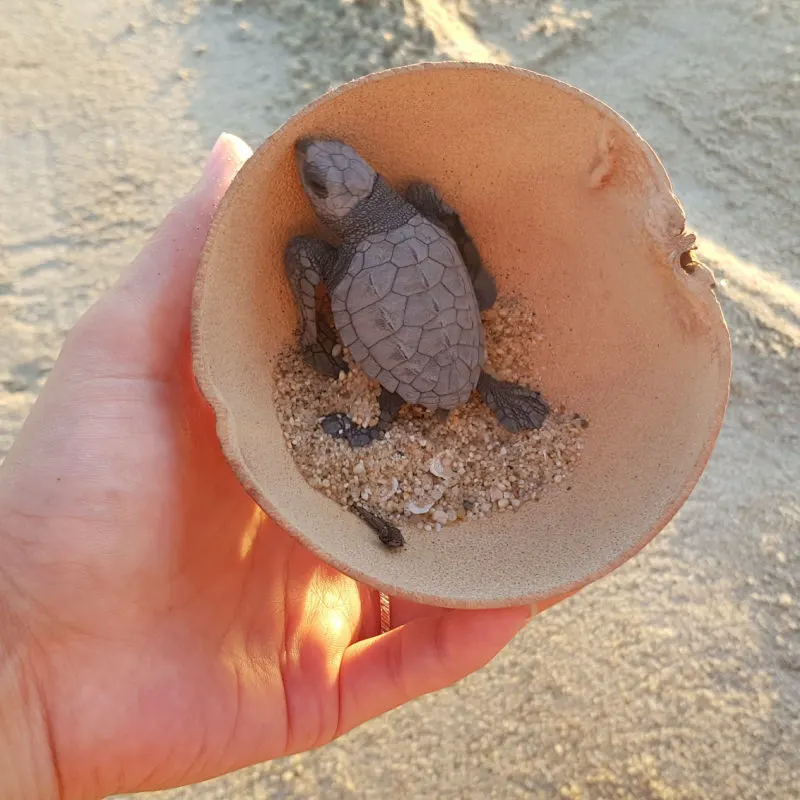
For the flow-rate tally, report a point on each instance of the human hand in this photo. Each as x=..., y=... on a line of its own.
x=157, y=626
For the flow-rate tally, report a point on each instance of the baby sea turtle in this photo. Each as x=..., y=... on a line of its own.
x=406, y=285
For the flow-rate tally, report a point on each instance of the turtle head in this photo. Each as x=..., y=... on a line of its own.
x=335, y=177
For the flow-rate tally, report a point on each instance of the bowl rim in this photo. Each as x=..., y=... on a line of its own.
x=224, y=423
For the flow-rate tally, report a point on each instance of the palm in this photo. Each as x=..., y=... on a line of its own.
x=191, y=589
x=175, y=631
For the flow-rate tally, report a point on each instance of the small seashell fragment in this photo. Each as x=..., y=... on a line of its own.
x=437, y=467
x=413, y=507
x=391, y=491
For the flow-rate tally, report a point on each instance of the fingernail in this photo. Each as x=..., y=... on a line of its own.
x=226, y=157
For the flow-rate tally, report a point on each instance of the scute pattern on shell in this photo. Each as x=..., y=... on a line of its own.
x=410, y=315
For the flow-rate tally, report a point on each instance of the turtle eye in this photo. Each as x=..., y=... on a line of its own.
x=318, y=187
x=315, y=182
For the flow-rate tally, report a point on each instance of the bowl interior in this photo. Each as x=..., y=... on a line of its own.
x=571, y=209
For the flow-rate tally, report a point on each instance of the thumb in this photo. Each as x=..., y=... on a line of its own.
x=143, y=320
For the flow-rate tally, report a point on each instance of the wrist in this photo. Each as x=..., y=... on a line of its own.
x=27, y=768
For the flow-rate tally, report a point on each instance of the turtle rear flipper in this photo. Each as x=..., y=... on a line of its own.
x=427, y=200
x=341, y=426
x=516, y=407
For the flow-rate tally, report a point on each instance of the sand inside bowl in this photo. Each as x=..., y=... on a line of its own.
x=426, y=472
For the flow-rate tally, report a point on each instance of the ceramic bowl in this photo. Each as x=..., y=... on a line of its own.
x=573, y=211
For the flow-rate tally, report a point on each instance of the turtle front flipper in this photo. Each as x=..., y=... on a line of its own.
x=340, y=426
x=516, y=407
x=427, y=200
x=308, y=262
